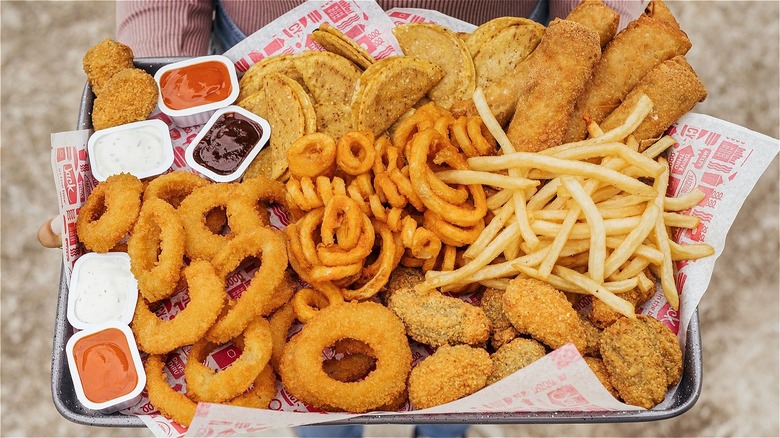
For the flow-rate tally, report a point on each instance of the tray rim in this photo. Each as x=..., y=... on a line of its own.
x=687, y=393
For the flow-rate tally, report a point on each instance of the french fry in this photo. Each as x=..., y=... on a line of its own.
x=690, y=251
x=597, y=290
x=621, y=254
x=486, y=178
x=684, y=202
x=598, y=234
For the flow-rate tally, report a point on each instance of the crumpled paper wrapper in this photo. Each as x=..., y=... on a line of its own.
x=721, y=159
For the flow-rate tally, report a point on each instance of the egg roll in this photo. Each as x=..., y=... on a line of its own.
x=559, y=69
x=599, y=17
x=643, y=44
x=674, y=88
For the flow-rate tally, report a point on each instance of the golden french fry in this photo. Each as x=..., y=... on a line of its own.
x=690, y=251
x=597, y=290
x=684, y=202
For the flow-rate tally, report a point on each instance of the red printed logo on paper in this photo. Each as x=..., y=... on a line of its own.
x=567, y=396
x=71, y=187
x=565, y=356
x=226, y=356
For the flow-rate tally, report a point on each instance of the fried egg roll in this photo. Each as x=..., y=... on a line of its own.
x=673, y=87
x=559, y=68
x=643, y=44
x=599, y=17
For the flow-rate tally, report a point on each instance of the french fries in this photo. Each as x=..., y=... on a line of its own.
x=588, y=217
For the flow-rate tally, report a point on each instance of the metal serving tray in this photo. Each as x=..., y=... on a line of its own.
x=69, y=407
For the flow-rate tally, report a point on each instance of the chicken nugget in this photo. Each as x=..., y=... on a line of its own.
x=104, y=60
x=641, y=358
x=538, y=309
x=450, y=373
x=435, y=319
x=517, y=354
x=129, y=96
x=602, y=315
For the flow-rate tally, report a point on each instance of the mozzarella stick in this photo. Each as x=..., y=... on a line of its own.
x=643, y=44
x=673, y=87
x=599, y=17
x=560, y=67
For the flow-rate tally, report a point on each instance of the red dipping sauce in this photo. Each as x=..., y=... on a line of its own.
x=227, y=143
x=195, y=85
x=105, y=365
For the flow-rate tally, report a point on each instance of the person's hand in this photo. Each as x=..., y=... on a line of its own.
x=49, y=233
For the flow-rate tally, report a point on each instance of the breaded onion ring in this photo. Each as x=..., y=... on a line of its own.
x=261, y=393
x=171, y=404
x=201, y=242
x=157, y=230
x=110, y=212
x=312, y=155
x=280, y=323
x=205, y=384
x=248, y=210
x=207, y=297
x=268, y=246
x=173, y=187
x=355, y=152
x=302, y=371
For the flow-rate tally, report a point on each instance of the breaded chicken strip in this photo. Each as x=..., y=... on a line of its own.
x=435, y=319
x=503, y=331
x=129, y=96
x=513, y=356
x=450, y=373
x=538, y=309
x=642, y=358
x=104, y=60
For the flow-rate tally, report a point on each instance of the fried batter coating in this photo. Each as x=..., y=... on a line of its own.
x=435, y=319
x=503, y=331
x=402, y=277
x=128, y=96
x=592, y=335
x=104, y=60
x=602, y=315
x=517, y=354
x=538, y=309
x=450, y=373
x=598, y=368
x=642, y=359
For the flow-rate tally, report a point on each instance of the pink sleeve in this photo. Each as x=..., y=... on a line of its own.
x=164, y=28
x=629, y=10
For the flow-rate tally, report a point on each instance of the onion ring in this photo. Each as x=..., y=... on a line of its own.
x=248, y=208
x=280, y=323
x=173, y=405
x=261, y=393
x=267, y=245
x=312, y=155
x=157, y=230
x=201, y=242
x=174, y=186
x=110, y=212
x=207, y=385
x=302, y=371
x=207, y=298
x=355, y=152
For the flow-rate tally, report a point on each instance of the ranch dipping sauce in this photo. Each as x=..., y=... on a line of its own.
x=227, y=144
x=103, y=289
x=135, y=150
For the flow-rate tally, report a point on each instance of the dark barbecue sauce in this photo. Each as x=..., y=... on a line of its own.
x=227, y=143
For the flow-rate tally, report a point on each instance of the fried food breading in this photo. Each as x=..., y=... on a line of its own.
x=401, y=278
x=592, y=335
x=104, y=60
x=129, y=96
x=492, y=304
x=435, y=319
x=597, y=366
x=557, y=78
x=599, y=17
x=602, y=315
x=642, y=358
x=538, y=309
x=450, y=373
x=517, y=354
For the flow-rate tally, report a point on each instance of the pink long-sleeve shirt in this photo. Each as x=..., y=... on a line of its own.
x=183, y=27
